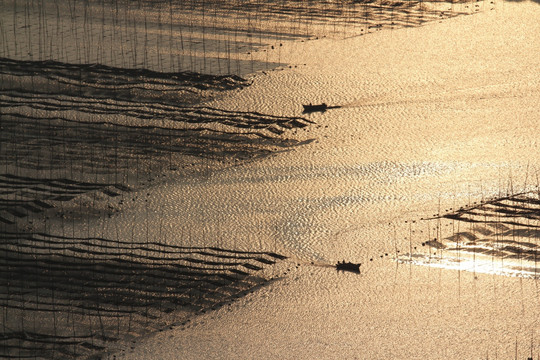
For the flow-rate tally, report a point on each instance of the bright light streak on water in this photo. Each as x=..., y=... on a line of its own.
x=479, y=264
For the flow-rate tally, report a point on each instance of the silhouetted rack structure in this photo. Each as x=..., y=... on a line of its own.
x=98, y=98
x=71, y=152
x=203, y=36
x=84, y=116
x=87, y=292
x=506, y=229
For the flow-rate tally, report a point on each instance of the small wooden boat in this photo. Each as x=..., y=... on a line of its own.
x=312, y=108
x=348, y=266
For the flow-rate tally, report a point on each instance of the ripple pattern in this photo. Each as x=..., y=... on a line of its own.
x=66, y=297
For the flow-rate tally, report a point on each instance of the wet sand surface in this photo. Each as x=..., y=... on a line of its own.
x=202, y=218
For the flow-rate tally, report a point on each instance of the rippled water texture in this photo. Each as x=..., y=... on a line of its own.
x=205, y=36
x=432, y=118
x=174, y=215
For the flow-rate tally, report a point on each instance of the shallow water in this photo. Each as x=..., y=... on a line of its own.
x=437, y=117
x=433, y=118
x=211, y=37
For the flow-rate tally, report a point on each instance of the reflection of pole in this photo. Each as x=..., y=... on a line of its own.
x=45, y=31
x=40, y=33
x=249, y=33
x=134, y=41
x=429, y=237
x=158, y=39
x=3, y=39
x=217, y=38
x=101, y=44
x=172, y=68
x=228, y=44
x=15, y=42
x=237, y=50
x=145, y=294
x=203, y=25
x=395, y=241
x=131, y=272
x=180, y=68
x=145, y=62
x=118, y=314
x=421, y=7
x=191, y=67
x=60, y=34
x=410, y=242
x=536, y=232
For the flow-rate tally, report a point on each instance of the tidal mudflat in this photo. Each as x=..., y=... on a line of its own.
x=162, y=195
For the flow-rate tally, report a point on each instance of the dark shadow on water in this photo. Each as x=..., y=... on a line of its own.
x=102, y=120
x=75, y=140
x=65, y=297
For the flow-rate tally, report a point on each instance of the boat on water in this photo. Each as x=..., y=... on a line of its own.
x=312, y=108
x=348, y=266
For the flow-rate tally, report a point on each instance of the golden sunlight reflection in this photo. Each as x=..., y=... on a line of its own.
x=480, y=264
x=496, y=236
x=165, y=194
